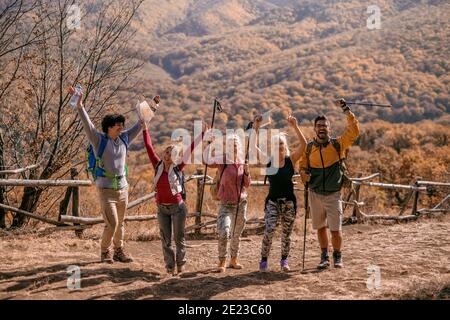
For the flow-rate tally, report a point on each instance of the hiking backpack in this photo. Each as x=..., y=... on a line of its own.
x=95, y=163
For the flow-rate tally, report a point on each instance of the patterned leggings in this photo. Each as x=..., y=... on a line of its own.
x=274, y=211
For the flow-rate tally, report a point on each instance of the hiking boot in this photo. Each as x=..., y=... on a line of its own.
x=324, y=261
x=180, y=269
x=121, y=256
x=284, y=265
x=263, y=266
x=105, y=257
x=234, y=264
x=337, y=259
x=170, y=271
x=222, y=265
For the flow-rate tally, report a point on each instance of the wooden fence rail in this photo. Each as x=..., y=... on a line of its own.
x=353, y=200
x=17, y=171
x=44, y=183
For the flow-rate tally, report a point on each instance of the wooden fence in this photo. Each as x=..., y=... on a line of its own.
x=75, y=222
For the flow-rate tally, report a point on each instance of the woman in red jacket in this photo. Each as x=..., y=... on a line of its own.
x=172, y=210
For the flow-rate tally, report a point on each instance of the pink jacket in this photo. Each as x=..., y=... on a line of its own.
x=231, y=181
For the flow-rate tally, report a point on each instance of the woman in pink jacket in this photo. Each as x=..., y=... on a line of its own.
x=232, y=170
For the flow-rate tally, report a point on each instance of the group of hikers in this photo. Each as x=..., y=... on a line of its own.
x=320, y=165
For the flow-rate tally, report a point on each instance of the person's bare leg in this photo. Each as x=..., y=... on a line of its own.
x=336, y=240
x=322, y=235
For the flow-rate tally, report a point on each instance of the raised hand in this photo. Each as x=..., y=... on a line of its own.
x=292, y=120
x=72, y=91
x=143, y=124
x=342, y=104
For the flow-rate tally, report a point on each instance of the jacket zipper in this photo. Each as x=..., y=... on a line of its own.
x=323, y=168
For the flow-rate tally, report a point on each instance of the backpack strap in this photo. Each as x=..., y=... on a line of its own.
x=157, y=165
x=99, y=170
x=337, y=147
x=180, y=174
x=125, y=140
x=102, y=146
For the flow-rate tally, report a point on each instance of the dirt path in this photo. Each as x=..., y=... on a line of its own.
x=414, y=260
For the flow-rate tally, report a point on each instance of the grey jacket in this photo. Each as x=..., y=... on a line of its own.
x=114, y=156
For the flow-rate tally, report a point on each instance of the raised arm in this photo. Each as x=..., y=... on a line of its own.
x=133, y=131
x=154, y=159
x=351, y=133
x=194, y=144
x=263, y=158
x=92, y=134
x=296, y=155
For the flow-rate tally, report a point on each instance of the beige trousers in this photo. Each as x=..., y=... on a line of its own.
x=114, y=205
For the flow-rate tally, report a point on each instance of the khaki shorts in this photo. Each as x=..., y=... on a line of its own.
x=326, y=210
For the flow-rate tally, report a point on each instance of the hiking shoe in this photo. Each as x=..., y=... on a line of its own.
x=284, y=265
x=121, y=256
x=234, y=264
x=170, y=271
x=337, y=259
x=324, y=261
x=105, y=257
x=263, y=266
x=222, y=265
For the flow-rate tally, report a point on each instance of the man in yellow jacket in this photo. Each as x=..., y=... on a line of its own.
x=322, y=169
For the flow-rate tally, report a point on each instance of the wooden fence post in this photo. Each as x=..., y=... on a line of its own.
x=356, y=212
x=76, y=201
x=198, y=218
x=416, y=197
x=64, y=203
x=73, y=192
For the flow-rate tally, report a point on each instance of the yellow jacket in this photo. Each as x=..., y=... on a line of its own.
x=325, y=172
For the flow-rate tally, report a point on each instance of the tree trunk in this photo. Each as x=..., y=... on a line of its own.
x=2, y=189
x=29, y=203
x=2, y=211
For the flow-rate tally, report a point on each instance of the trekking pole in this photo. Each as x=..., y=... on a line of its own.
x=218, y=107
x=306, y=217
x=338, y=103
x=249, y=126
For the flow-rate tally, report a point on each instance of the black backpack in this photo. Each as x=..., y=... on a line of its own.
x=180, y=176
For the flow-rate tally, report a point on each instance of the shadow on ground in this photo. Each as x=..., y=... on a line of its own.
x=193, y=288
x=33, y=279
